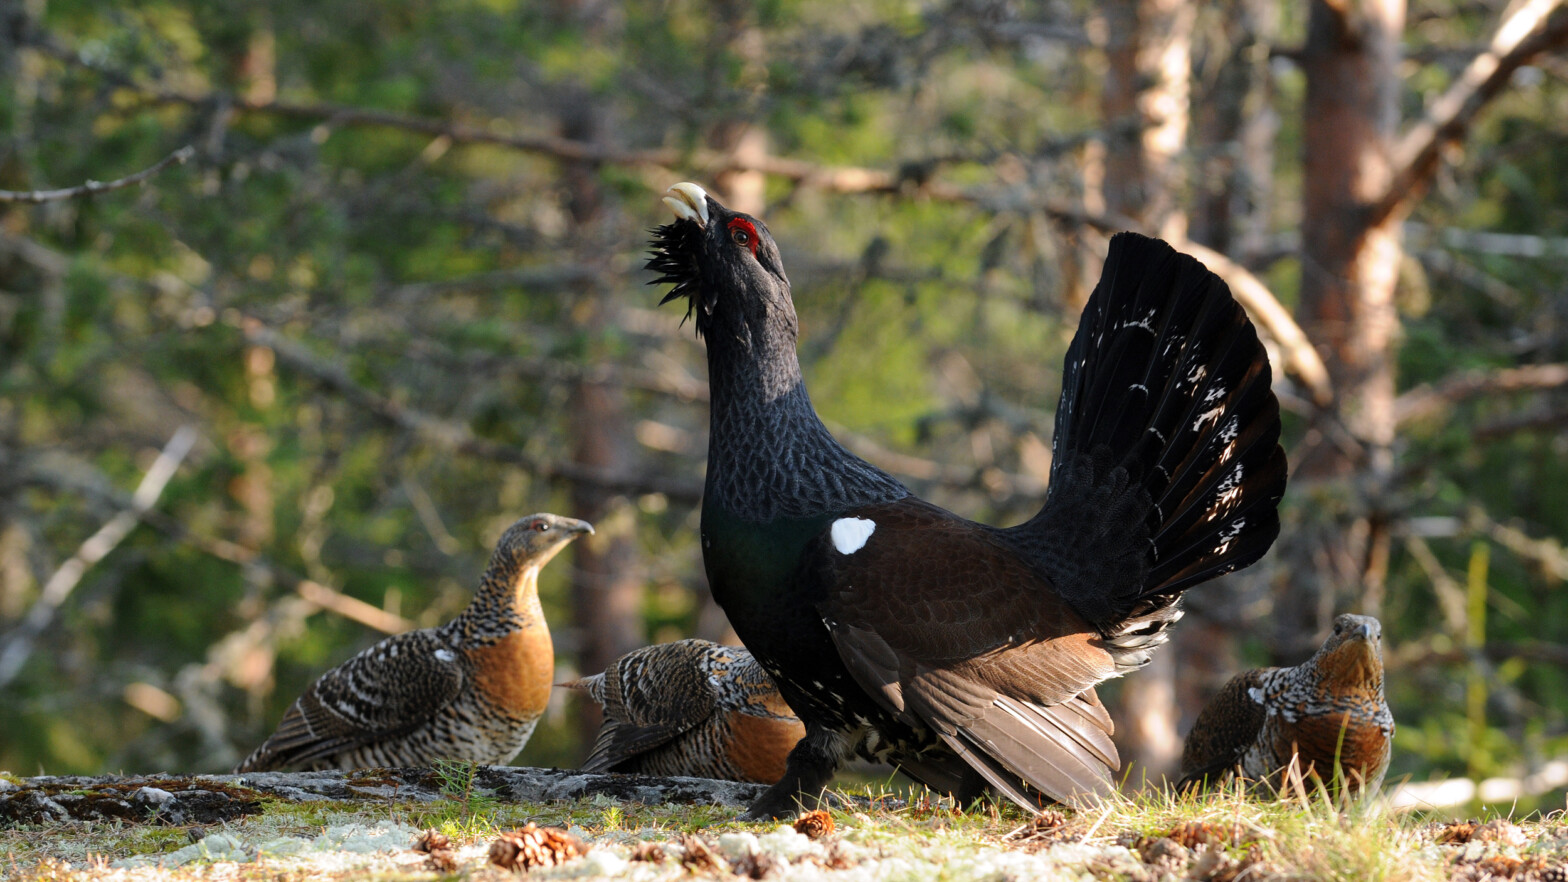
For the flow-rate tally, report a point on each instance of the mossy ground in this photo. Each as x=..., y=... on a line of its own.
x=1228, y=837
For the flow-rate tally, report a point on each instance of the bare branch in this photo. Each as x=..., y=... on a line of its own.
x=93, y=188
x=19, y=642
x=78, y=477
x=1535, y=27
x=1549, y=554
x=842, y=179
x=1488, y=242
x=1450, y=594
x=1431, y=399
x=1530, y=421
x=452, y=435
x=352, y=608
x=1301, y=358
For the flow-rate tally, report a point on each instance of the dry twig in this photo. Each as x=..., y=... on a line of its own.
x=1533, y=28
x=18, y=644
x=93, y=188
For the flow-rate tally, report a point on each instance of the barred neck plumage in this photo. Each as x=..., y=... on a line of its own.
x=770, y=455
x=507, y=599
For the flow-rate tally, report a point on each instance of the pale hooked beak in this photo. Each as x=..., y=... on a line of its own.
x=690, y=202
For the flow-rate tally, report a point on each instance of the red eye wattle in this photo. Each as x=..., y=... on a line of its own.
x=744, y=234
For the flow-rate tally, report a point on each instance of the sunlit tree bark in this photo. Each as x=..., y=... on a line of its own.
x=1349, y=267
x=1149, y=80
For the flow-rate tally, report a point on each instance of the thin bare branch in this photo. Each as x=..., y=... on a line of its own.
x=1529, y=421
x=842, y=179
x=1450, y=594
x=1301, y=358
x=1535, y=27
x=1488, y=242
x=1548, y=554
x=1432, y=399
x=93, y=188
x=352, y=608
x=18, y=644
x=451, y=435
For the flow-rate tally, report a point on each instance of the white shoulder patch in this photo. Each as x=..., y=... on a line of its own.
x=850, y=534
x=445, y=655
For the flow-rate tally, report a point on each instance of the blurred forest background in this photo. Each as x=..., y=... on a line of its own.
x=395, y=292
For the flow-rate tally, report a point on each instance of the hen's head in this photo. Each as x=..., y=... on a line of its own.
x=725, y=263
x=536, y=539
x=1352, y=656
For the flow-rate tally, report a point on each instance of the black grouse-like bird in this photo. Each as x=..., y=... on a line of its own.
x=968, y=654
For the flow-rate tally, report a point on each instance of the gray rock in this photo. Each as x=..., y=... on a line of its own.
x=208, y=799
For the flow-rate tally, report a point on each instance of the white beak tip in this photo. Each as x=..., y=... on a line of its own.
x=690, y=202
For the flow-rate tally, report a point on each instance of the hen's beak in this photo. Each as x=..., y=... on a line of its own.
x=690, y=202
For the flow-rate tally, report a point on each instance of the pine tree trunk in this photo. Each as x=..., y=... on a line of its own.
x=1349, y=269
x=1148, y=80
x=606, y=578
x=1233, y=141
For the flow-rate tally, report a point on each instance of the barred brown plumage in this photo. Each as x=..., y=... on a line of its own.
x=470, y=690
x=1325, y=711
x=691, y=707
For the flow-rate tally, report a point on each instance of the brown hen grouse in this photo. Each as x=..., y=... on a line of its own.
x=471, y=690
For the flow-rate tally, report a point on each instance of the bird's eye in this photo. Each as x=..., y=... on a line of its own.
x=540, y=526
x=742, y=233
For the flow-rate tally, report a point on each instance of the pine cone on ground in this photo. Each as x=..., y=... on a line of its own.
x=439, y=848
x=698, y=857
x=1456, y=833
x=651, y=852
x=1195, y=833
x=534, y=846
x=814, y=824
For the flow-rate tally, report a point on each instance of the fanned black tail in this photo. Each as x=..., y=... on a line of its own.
x=1167, y=468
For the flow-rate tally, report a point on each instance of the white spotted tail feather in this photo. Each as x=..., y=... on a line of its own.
x=1167, y=468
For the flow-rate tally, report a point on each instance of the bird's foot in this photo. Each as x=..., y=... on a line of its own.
x=806, y=774
x=780, y=803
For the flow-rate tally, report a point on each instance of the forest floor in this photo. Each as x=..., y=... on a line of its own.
x=463, y=823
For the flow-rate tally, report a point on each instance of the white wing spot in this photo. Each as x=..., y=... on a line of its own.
x=850, y=534
x=445, y=655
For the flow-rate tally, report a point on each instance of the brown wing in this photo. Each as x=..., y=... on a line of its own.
x=651, y=696
x=1225, y=728
x=386, y=691
x=945, y=624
